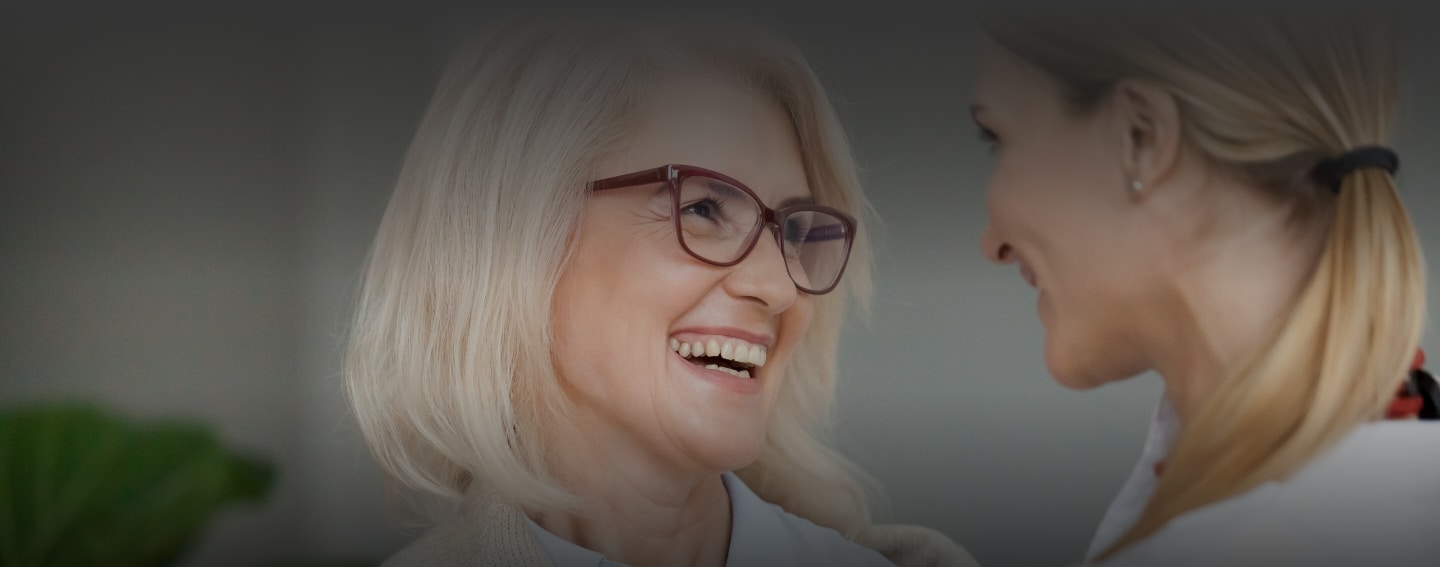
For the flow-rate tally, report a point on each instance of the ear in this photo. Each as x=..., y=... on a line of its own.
x=1149, y=119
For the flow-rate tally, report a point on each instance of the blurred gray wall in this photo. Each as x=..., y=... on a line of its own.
x=185, y=201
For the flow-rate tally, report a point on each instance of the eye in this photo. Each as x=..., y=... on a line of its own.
x=988, y=137
x=705, y=209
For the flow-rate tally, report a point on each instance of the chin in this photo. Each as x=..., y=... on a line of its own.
x=1074, y=381
x=733, y=450
x=1069, y=367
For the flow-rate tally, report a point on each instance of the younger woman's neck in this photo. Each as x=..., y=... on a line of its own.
x=1230, y=297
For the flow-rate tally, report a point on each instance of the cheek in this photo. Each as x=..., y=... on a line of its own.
x=607, y=308
x=577, y=320
x=1055, y=169
x=1092, y=334
x=1029, y=200
x=1074, y=237
x=1062, y=209
x=794, y=325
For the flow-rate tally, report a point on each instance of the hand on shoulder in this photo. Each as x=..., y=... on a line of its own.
x=914, y=546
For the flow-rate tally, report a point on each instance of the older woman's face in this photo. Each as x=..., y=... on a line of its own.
x=631, y=293
x=1060, y=207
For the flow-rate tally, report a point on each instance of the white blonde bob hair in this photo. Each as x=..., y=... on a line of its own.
x=449, y=368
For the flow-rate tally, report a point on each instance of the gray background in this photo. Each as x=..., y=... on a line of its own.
x=185, y=200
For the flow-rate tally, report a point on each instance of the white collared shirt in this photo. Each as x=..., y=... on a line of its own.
x=1372, y=499
x=760, y=534
x=1125, y=510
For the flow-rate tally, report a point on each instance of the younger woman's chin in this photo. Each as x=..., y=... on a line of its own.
x=1073, y=371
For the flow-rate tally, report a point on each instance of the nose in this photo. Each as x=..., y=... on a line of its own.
x=994, y=248
x=762, y=276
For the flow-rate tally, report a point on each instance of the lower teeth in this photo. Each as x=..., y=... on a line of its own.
x=727, y=370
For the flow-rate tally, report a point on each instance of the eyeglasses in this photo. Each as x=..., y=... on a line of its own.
x=718, y=220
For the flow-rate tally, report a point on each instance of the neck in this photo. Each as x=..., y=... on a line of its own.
x=637, y=510
x=1231, y=294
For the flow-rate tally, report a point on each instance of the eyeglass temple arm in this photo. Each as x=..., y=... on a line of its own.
x=631, y=179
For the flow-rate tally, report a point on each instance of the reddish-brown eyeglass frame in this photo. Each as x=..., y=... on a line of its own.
x=673, y=175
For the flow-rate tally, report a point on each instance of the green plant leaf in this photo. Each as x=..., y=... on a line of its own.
x=81, y=486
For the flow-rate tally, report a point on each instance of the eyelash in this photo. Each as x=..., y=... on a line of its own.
x=988, y=137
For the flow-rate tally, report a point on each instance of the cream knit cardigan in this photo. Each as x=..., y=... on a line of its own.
x=488, y=531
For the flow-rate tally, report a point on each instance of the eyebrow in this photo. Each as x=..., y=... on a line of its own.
x=792, y=201
x=789, y=202
x=722, y=187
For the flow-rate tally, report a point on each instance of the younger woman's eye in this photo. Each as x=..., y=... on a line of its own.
x=989, y=138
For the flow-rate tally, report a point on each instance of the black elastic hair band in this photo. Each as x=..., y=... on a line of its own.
x=1424, y=385
x=1332, y=172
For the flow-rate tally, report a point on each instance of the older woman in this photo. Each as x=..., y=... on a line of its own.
x=1209, y=195
x=601, y=312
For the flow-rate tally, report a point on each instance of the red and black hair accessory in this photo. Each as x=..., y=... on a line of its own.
x=1418, y=396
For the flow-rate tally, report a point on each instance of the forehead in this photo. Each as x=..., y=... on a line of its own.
x=719, y=124
x=1007, y=84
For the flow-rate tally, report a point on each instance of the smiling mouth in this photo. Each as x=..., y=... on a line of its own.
x=735, y=357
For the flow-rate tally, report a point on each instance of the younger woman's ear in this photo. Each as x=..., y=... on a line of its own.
x=1149, y=119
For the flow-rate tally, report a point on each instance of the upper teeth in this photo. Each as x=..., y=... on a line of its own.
x=732, y=349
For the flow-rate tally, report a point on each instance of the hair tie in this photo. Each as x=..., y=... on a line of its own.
x=1333, y=171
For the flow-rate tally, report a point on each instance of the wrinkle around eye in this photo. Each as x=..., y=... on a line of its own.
x=653, y=211
x=657, y=206
x=652, y=214
x=649, y=226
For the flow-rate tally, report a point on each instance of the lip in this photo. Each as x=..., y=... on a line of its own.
x=698, y=333
x=735, y=384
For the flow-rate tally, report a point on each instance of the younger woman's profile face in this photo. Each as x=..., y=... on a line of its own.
x=1060, y=208
x=630, y=294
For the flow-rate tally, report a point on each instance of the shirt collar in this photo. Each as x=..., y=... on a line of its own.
x=1125, y=510
x=758, y=534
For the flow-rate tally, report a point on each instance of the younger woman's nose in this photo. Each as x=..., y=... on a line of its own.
x=994, y=248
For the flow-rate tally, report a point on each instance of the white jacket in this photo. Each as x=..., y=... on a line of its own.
x=1372, y=500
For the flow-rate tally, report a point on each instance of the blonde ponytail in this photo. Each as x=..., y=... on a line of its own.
x=1335, y=363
